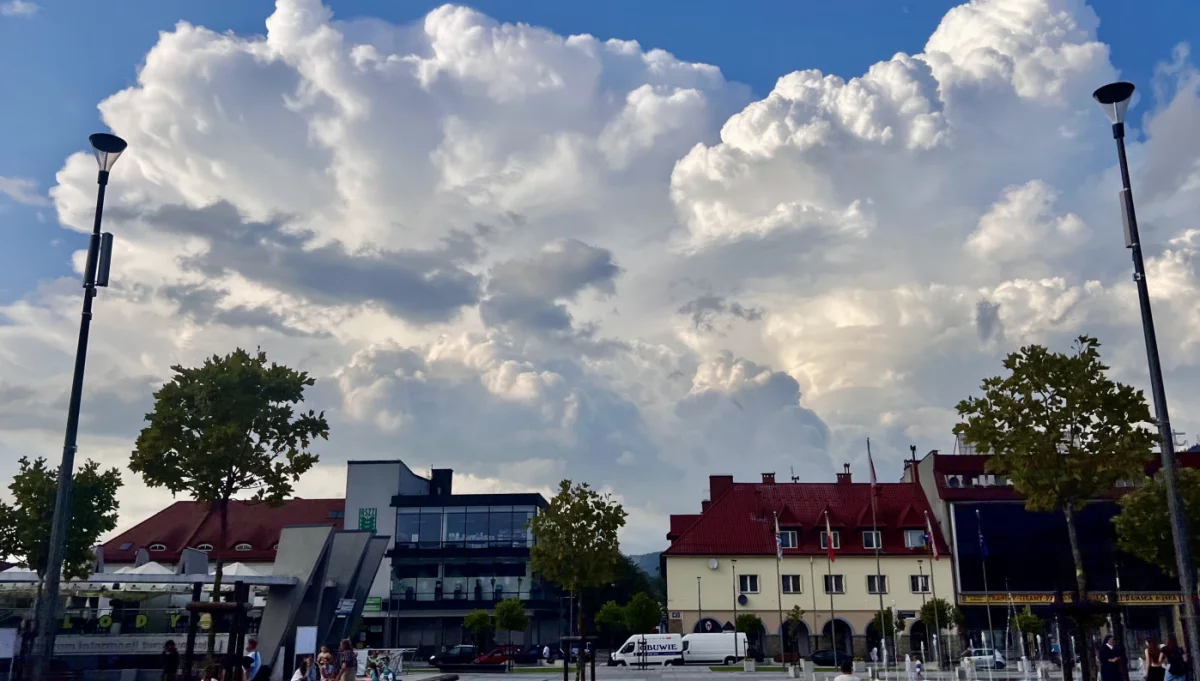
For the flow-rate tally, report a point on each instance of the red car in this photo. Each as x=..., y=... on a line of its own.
x=500, y=655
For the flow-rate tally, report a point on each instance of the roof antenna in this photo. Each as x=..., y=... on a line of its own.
x=795, y=478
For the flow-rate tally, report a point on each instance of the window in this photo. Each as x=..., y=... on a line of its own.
x=791, y=584
x=242, y=547
x=914, y=538
x=919, y=583
x=158, y=547
x=835, y=584
x=877, y=584
x=125, y=546
x=837, y=539
x=337, y=515
x=872, y=540
x=748, y=584
x=204, y=547
x=787, y=539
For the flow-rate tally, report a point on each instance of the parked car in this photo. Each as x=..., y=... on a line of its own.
x=983, y=658
x=830, y=658
x=460, y=654
x=504, y=653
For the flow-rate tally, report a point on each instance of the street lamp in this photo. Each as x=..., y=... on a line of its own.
x=1114, y=98
x=107, y=149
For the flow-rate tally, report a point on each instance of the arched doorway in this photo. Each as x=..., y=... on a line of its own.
x=796, y=639
x=707, y=625
x=918, y=639
x=844, y=638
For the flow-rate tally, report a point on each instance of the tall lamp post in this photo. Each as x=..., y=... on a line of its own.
x=1114, y=99
x=107, y=149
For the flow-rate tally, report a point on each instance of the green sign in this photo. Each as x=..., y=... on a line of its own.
x=366, y=518
x=373, y=604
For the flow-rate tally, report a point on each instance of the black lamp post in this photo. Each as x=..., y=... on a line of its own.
x=1114, y=99
x=107, y=149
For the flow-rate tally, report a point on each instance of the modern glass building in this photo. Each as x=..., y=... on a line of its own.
x=451, y=554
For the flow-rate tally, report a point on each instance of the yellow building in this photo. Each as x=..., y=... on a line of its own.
x=724, y=561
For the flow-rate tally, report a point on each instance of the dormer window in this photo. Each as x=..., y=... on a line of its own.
x=242, y=547
x=204, y=547
x=158, y=547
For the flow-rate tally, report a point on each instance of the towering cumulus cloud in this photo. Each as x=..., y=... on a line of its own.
x=530, y=256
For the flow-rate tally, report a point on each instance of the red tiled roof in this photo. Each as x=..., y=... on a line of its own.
x=188, y=524
x=741, y=521
x=679, y=523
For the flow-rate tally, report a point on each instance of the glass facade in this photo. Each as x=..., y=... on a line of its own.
x=471, y=527
x=465, y=579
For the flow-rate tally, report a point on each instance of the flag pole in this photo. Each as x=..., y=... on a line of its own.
x=878, y=568
x=779, y=581
x=987, y=594
x=812, y=586
x=937, y=625
x=829, y=574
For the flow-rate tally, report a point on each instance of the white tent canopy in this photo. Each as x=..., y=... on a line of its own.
x=237, y=570
x=151, y=568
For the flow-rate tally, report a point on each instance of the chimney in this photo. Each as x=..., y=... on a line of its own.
x=843, y=478
x=916, y=472
x=717, y=484
x=768, y=478
x=440, y=482
x=704, y=506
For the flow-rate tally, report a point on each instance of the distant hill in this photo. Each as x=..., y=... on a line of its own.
x=648, y=562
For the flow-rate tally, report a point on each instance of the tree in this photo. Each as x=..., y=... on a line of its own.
x=1027, y=624
x=610, y=620
x=642, y=614
x=576, y=539
x=25, y=524
x=749, y=624
x=510, y=616
x=795, y=618
x=479, y=623
x=938, y=614
x=226, y=429
x=1062, y=432
x=887, y=623
x=1144, y=524
x=628, y=580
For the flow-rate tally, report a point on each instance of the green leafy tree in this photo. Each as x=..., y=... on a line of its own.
x=1027, y=625
x=642, y=613
x=1144, y=525
x=227, y=429
x=479, y=623
x=795, y=618
x=749, y=624
x=887, y=623
x=511, y=616
x=576, y=539
x=610, y=620
x=628, y=579
x=25, y=523
x=1061, y=431
x=938, y=613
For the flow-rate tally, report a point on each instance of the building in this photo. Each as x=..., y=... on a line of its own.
x=728, y=550
x=252, y=535
x=1006, y=557
x=451, y=554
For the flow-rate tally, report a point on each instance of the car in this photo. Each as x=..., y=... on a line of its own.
x=460, y=654
x=830, y=658
x=504, y=653
x=983, y=658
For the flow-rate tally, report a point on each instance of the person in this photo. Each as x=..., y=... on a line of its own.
x=546, y=653
x=170, y=661
x=255, y=659
x=875, y=654
x=212, y=673
x=301, y=673
x=847, y=672
x=1175, y=662
x=325, y=664
x=1154, y=670
x=347, y=661
x=312, y=672
x=1111, y=660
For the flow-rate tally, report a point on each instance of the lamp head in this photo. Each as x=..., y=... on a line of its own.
x=1114, y=99
x=107, y=149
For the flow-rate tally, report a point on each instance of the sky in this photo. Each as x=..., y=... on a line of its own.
x=630, y=243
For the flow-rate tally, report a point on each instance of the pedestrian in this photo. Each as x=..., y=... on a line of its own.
x=875, y=654
x=1154, y=670
x=170, y=661
x=325, y=664
x=347, y=662
x=1111, y=659
x=255, y=659
x=1175, y=661
x=847, y=672
x=546, y=653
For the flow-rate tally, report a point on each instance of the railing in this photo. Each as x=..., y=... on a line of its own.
x=406, y=591
x=477, y=543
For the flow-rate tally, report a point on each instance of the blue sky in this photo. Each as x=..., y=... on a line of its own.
x=60, y=62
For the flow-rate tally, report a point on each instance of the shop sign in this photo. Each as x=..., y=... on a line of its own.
x=134, y=644
x=366, y=518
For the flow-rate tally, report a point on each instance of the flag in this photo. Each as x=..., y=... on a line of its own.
x=929, y=536
x=778, y=539
x=871, y=462
x=829, y=537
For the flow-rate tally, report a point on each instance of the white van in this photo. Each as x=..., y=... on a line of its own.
x=661, y=649
x=726, y=647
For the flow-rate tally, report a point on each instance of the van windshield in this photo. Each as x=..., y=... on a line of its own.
x=628, y=647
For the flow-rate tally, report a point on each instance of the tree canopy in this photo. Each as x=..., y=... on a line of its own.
x=938, y=612
x=749, y=624
x=1144, y=526
x=25, y=523
x=642, y=614
x=887, y=623
x=479, y=623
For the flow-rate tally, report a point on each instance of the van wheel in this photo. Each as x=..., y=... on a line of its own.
x=622, y=663
x=730, y=661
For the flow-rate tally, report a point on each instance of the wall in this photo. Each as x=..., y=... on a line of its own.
x=717, y=587
x=371, y=485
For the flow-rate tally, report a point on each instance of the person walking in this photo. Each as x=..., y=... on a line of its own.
x=1174, y=660
x=255, y=659
x=1154, y=670
x=847, y=672
x=1111, y=659
x=170, y=661
x=347, y=662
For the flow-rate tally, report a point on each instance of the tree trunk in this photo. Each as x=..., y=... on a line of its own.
x=223, y=515
x=1088, y=669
